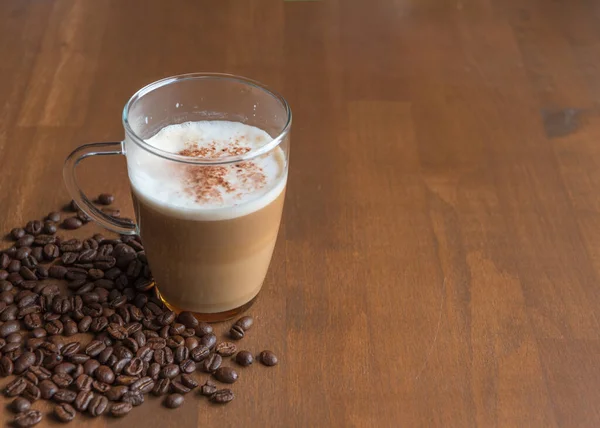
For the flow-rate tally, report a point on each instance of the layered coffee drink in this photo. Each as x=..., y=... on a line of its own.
x=209, y=231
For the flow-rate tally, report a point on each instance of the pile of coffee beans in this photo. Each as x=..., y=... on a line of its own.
x=81, y=325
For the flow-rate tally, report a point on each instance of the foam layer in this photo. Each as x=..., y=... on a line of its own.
x=207, y=193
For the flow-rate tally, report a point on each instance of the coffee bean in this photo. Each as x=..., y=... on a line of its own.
x=117, y=331
x=25, y=361
x=236, y=332
x=6, y=366
x=98, y=405
x=105, y=374
x=42, y=240
x=176, y=329
x=32, y=392
x=64, y=412
x=226, y=349
x=155, y=343
x=62, y=380
x=15, y=387
x=187, y=366
x=20, y=405
x=116, y=392
x=181, y=353
x=161, y=387
x=72, y=223
x=68, y=259
x=9, y=314
x=64, y=396
x=179, y=387
x=244, y=358
x=136, y=398
x=90, y=367
x=120, y=409
x=105, y=199
x=94, y=348
x=169, y=371
x=34, y=227
x=209, y=340
x=28, y=419
x=79, y=358
x=189, y=381
x=226, y=375
x=212, y=363
x=83, y=382
x=32, y=321
x=134, y=368
x=9, y=327
x=173, y=401
x=57, y=272
x=17, y=233
x=50, y=227
x=53, y=216
x=25, y=241
x=222, y=396
x=47, y=389
x=187, y=319
x=143, y=385
x=70, y=328
x=199, y=353
x=54, y=327
x=208, y=389
x=268, y=358
x=100, y=387
x=83, y=399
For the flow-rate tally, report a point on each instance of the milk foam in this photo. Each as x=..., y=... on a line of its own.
x=188, y=191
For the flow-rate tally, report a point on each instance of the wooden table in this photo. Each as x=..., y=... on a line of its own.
x=439, y=259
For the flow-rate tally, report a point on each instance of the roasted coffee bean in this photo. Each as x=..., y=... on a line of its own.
x=99, y=324
x=120, y=409
x=41, y=272
x=236, y=332
x=105, y=199
x=105, y=374
x=143, y=284
x=31, y=378
x=117, y=331
x=116, y=392
x=222, y=396
x=125, y=380
x=175, y=342
x=10, y=251
x=134, y=368
x=181, y=353
x=25, y=361
x=83, y=382
x=32, y=392
x=187, y=366
x=244, y=358
x=200, y=353
x=64, y=412
x=78, y=371
x=5, y=285
x=176, y=329
x=226, y=375
x=166, y=318
x=83, y=216
x=42, y=240
x=6, y=366
x=94, y=348
x=268, y=358
x=62, y=380
x=169, y=371
x=226, y=349
x=143, y=385
x=54, y=327
x=84, y=324
x=83, y=399
x=87, y=256
x=52, y=360
x=189, y=381
x=187, y=319
x=22, y=253
x=100, y=387
x=191, y=342
x=173, y=401
x=208, y=389
x=105, y=355
x=40, y=372
x=20, y=405
x=70, y=328
x=71, y=246
x=14, y=338
x=26, y=300
x=15, y=278
x=50, y=227
x=17, y=233
x=25, y=241
x=135, y=398
x=47, y=389
x=90, y=367
x=32, y=321
x=34, y=227
x=79, y=358
x=179, y=388
x=57, y=272
x=72, y=223
x=9, y=314
x=104, y=262
x=161, y=387
x=209, y=340
x=9, y=327
x=98, y=405
x=15, y=387
x=154, y=370
x=13, y=267
x=7, y=297
x=53, y=216
x=65, y=367
x=155, y=343
x=212, y=363
x=28, y=419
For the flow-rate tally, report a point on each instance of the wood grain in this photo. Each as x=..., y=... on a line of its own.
x=438, y=262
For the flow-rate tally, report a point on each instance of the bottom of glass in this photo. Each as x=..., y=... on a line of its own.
x=209, y=317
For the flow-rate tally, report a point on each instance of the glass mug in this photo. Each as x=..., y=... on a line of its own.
x=207, y=258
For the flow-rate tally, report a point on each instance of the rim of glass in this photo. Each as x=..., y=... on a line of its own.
x=203, y=161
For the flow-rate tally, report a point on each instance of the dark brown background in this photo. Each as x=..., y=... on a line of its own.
x=439, y=258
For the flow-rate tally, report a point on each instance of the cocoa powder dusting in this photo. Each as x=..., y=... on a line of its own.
x=207, y=183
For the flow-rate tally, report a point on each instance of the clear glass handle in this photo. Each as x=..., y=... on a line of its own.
x=70, y=177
